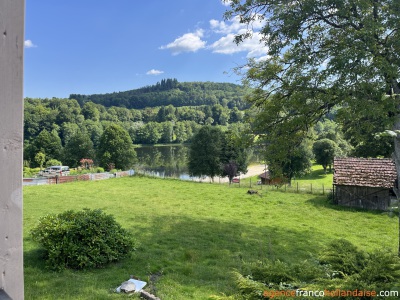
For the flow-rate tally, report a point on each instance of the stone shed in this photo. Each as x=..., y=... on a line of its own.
x=364, y=183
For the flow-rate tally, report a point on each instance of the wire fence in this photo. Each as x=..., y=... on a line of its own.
x=295, y=187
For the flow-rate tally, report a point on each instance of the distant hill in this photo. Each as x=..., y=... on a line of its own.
x=170, y=91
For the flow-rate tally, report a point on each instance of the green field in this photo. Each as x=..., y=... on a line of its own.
x=192, y=235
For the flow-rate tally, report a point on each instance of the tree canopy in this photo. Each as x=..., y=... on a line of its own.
x=322, y=55
x=205, y=151
x=214, y=152
x=158, y=122
x=116, y=148
x=172, y=92
x=325, y=151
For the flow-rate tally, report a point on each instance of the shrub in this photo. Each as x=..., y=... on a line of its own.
x=53, y=162
x=99, y=170
x=341, y=266
x=82, y=240
x=343, y=257
x=113, y=171
x=30, y=172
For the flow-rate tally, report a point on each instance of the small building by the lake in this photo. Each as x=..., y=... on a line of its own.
x=364, y=182
x=267, y=179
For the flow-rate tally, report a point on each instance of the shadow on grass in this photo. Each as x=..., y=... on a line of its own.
x=315, y=175
x=201, y=253
x=327, y=203
x=194, y=256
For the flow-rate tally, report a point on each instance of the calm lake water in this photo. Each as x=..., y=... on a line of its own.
x=166, y=161
x=163, y=160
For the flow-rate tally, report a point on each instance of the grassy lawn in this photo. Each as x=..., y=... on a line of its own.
x=316, y=182
x=192, y=234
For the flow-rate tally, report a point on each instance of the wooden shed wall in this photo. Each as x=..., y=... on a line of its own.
x=362, y=197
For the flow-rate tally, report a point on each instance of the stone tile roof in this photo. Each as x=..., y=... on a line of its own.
x=372, y=172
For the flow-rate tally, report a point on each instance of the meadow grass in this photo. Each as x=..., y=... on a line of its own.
x=315, y=182
x=192, y=235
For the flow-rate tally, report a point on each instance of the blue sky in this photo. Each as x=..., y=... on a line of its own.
x=105, y=46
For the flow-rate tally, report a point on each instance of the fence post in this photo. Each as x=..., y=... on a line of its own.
x=311, y=187
x=323, y=189
x=297, y=187
x=250, y=182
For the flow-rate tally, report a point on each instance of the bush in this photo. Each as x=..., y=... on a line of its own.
x=99, y=170
x=82, y=240
x=53, y=162
x=340, y=266
x=30, y=172
x=343, y=257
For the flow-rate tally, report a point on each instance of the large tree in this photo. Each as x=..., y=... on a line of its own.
x=78, y=146
x=325, y=151
x=234, y=153
x=205, y=151
x=48, y=143
x=116, y=148
x=213, y=152
x=323, y=54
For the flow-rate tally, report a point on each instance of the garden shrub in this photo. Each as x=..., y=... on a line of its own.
x=340, y=266
x=272, y=272
x=53, y=162
x=99, y=170
x=30, y=172
x=82, y=240
x=343, y=257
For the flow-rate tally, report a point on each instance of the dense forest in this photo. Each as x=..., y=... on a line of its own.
x=169, y=112
x=172, y=92
x=68, y=130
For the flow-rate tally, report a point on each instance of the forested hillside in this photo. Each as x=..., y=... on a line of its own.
x=168, y=112
x=172, y=92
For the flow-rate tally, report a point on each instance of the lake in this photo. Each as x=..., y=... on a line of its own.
x=163, y=160
x=166, y=160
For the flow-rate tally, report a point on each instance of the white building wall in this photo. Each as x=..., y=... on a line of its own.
x=11, y=148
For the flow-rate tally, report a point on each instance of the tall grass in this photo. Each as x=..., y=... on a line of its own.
x=192, y=235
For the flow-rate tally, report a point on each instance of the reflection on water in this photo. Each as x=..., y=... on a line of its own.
x=166, y=161
x=163, y=161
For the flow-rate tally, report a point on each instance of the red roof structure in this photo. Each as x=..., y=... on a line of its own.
x=368, y=172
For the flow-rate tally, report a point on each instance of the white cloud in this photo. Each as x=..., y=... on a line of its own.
x=154, y=72
x=226, y=31
x=189, y=42
x=233, y=25
x=29, y=44
x=223, y=27
x=252, y=46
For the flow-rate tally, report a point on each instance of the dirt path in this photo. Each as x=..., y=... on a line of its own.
x=253, y=170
